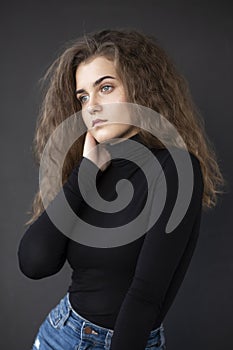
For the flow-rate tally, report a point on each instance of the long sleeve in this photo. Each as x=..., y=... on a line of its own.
x=157, y=263
x=42, y=249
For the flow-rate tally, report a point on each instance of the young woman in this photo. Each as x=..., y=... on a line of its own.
x=118, y=297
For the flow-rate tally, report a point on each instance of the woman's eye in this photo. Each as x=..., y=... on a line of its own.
x=106, y=88
x=82, y=99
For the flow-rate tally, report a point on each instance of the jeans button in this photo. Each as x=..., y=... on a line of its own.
x=87, y=330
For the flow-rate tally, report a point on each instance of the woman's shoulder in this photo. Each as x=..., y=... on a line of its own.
x=180, y=165
x=174, y=157
x=166, y=155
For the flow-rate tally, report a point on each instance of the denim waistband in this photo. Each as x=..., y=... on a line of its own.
x=85, y=328
x=89, y=329
x=82, y=319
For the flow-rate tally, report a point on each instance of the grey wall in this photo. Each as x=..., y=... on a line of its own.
x=198, y=36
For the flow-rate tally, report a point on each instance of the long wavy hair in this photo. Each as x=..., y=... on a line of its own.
x=150, y=79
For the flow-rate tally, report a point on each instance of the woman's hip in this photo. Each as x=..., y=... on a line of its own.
x=64, y=328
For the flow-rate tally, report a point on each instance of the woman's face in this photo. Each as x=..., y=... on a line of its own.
x=100, y=91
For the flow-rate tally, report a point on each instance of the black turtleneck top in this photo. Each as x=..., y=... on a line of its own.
x=126, y=287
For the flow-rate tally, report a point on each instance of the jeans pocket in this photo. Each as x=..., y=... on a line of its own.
x=155, y=346
x=158, y=343
x=58, y=315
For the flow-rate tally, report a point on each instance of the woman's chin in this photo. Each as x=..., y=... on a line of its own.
x=102, y=134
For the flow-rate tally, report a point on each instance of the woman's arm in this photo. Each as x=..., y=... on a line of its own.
x=42, y=249
x=157, y=263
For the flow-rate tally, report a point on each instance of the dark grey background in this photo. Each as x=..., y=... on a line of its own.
x=198, y=36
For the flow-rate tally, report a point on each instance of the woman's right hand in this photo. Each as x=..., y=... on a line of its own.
x=98, y=155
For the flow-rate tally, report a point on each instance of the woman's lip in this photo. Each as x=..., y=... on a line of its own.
x=98, y=121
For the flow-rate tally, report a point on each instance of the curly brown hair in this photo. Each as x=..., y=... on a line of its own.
x=150, y=79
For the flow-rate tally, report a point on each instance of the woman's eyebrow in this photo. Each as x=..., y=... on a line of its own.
x=97, y=82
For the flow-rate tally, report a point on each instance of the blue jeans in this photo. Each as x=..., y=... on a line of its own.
x=65, y=329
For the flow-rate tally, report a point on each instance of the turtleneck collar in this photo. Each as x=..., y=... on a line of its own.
x=127, y=150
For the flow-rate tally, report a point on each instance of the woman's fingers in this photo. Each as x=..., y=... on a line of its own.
x=89, y=143
x=99, y=155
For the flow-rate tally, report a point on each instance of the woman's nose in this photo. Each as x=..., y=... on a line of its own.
x=93, y=104
x=94, y=108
